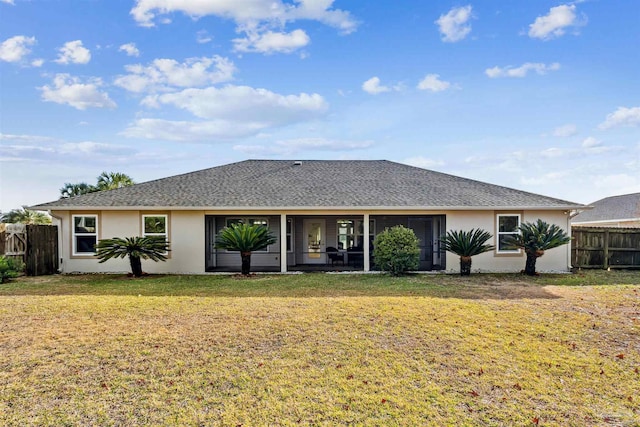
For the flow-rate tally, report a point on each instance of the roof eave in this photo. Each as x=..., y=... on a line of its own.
x=598, y=221
x=309, y=208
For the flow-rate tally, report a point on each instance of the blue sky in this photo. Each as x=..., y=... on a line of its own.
x=542, y=96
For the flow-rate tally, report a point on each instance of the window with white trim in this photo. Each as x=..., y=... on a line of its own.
x=350, y=233
x=85, y=234
x=507, y=226
x=155, y=225
x=250, y=221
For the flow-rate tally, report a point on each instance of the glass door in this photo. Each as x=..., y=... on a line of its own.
x=314, y=241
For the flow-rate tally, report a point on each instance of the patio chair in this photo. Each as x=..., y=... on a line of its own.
x=334, y=255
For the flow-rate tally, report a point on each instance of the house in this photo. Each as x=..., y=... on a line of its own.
x=615, y=211
x=313, y=207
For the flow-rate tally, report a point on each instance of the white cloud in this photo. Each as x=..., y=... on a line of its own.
x=251, y=13
x=552, y=152
x=130, y=49
x=243, y=103
x=590, y=142
x=228, y=112
x=271, y=42
x=622, y=183
x=623, y=116
x=184, y=130
x=433, y=83
x=70, y=90
x=565, y=130
x=294, y=146
x=262, y=22
x=546, y=178
x=42, y=148
x=92, y=148
x=73, y=52
x=37, y=62
x=522, y=70
x=454, y=25
x=15, y=48
x=555, y=22
x=422, y=162
x=11, y=2
x=162, y=74
x=374, y=87
x=203, y=36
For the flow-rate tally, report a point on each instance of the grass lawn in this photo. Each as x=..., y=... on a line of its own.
x=321, y=349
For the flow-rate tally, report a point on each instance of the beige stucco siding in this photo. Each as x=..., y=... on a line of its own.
x=554, y=260
x=187, y=237
x=186, y=234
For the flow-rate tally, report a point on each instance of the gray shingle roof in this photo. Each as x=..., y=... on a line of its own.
x=312, y=184
x=626, y=206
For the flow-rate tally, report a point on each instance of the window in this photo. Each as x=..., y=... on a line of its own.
x=85, y=234
x=289, y=235
x=350, y=233
x=154, y=225
x=507, y=225
x=250, y=221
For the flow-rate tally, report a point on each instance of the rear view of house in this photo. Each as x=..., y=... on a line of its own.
x=324, y=213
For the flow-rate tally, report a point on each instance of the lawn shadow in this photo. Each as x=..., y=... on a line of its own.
x=308, y=285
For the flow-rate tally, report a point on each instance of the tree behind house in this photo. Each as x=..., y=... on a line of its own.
x=105, y=181
x=25, y=216
x=113, y=180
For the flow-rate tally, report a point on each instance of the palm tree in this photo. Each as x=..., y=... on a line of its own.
x=246, y=239
x=534, y=239
x=25, y=216
x=113, y=180
x=466, y=244
x=149, y=247
x=72, y=190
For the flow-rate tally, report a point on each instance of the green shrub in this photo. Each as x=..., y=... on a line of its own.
x=396, y=250
x=10, y=268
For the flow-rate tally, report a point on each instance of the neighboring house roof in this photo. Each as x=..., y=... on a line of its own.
x=256, y=184
x=616, y=208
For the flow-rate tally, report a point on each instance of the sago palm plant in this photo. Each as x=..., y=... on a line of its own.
x=534, y=239
x=466, y=244
x=154, y=248
x=245, y=238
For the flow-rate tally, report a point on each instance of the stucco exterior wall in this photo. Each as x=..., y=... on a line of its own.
x=554, y=260
x=187, y=237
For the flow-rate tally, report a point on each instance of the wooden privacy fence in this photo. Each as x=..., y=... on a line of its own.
x=595, y=247
x=35, y=245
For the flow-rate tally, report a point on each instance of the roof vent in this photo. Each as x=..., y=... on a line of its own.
x=297, y=163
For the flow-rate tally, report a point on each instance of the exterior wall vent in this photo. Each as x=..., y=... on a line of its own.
x=297, y=163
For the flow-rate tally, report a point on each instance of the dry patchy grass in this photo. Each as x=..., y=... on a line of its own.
x=428, y=350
